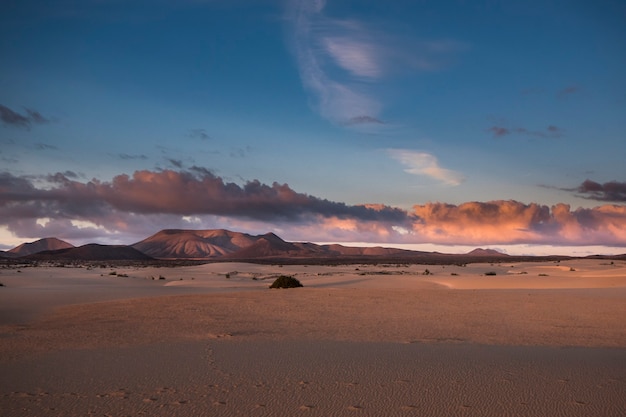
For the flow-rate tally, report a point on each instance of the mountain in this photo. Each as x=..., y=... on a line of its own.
x=194, y=244
x=486, y=252
x=4, y=254
x=48, y=243
x=213, y=244
x=91, y=252
x=270, y=245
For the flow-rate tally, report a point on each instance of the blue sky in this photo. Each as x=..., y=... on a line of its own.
x=402, y=105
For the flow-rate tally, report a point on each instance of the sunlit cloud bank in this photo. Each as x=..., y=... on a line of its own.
x=129, y=208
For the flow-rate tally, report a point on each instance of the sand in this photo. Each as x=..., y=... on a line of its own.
x=534, y=339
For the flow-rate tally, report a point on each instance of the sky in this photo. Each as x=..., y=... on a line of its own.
x=423, y=124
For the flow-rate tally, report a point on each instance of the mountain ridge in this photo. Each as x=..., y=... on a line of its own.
x=214, y=245
x=45, y=244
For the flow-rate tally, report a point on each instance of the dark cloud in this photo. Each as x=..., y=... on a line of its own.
x=12, y=118
x=198, y=134
x=175, y=162
x=363, y=120
x=126, y=156
x=550, y=132
x=240, y=152
x=45, y=147
x=193, y=192
x=568, y=91
x=499, y=131
x=609, y=191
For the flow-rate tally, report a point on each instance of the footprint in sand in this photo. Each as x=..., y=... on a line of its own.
x=306, y=407
x=354, y=407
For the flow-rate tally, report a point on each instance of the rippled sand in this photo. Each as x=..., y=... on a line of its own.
x=532, y=340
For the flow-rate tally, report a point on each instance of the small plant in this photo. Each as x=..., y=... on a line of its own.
x=572, y=269
x=426, y=272
x=161, y=277
x=285, y=281
x=543, y=275
x=227, y=276
x=112, y=273
x=454, y=274
x=1, y=284
x=491, y=273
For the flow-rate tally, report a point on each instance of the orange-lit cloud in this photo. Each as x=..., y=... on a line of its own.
x=509, y=222
x=139, y=205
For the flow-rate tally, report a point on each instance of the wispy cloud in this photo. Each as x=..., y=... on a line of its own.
x=198, y=134
x=549, y=132
x=13, y=118
x=422, y=163
x=568, y=91
x=339, y=59
x=613, y=191
x=44, y=147
x=129, y=157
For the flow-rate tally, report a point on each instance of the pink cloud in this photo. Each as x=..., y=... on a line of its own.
x=134, y=206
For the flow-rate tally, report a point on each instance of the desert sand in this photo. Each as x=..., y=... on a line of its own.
x=527, y=339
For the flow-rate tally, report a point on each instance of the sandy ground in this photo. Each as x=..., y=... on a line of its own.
x=534, y=339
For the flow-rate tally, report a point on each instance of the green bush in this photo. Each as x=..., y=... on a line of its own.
x=285, y=281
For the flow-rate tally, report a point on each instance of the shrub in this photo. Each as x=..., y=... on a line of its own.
x=490, y=273
x=285, y=281
x=426, y=272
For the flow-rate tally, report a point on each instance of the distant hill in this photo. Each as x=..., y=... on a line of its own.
x=48, y=243
x=212, y=244
x=91, y=252
x=486, y=252
x=225, y=245
x=194, y=244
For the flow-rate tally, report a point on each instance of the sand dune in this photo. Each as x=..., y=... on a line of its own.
x=533, y=339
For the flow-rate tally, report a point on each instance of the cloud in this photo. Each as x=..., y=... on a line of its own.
x=129, y=157
x=133, y=207
x=45, y=147
x=193, y=192
x=12, y=118
x=422, y=163
x=510, y=222
x=609, y=191
x=550, y=132
x=339, y=59
x=364, y=120
x=177, y=163
x=358, y=57
x=198, y=134
x=567, y=91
